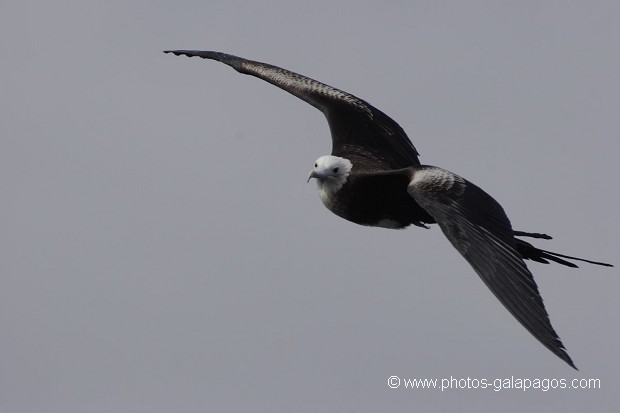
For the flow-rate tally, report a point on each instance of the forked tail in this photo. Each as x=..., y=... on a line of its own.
x=530, y=252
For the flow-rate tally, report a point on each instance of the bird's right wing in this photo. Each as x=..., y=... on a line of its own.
x=478, y=228
x=356, y=126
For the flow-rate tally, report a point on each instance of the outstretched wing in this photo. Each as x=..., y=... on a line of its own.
x=478, y=228
x=357, y=128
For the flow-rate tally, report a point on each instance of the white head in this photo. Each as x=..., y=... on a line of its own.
x=331, y=172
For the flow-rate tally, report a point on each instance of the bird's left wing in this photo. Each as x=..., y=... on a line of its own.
x=356, y=126
x=478, y=228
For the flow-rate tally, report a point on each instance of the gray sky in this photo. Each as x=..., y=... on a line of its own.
x=161, y=251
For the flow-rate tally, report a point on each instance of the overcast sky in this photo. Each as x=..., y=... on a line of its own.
x=162, y=252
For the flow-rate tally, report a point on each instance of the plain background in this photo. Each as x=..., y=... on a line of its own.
x=162, y=252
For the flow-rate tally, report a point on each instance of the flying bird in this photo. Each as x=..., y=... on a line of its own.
x=373, y=177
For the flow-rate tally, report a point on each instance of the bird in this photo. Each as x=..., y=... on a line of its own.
x=374, y=177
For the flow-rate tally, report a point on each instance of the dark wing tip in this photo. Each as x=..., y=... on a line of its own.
x=563, y=354
x=560, y=351
x=233, y=61
x=202, y=53
x=188, y=53
x=176, y=52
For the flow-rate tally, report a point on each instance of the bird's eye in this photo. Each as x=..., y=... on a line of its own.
x=316, y=165
x=335, y=170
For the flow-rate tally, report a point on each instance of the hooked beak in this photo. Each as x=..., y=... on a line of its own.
x=313, y=174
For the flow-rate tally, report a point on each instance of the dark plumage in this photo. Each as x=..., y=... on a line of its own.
x=374, y=177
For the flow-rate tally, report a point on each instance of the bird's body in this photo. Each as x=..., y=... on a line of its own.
x=379, y=201
x=373, y=177
x=377, y=198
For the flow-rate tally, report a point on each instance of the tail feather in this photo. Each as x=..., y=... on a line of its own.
x=530, y=252
x=532, y=235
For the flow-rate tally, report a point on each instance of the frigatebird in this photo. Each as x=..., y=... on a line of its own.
x=373, y=177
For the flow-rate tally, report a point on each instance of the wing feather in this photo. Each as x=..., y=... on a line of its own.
x=357, y=128
x=479, y=229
